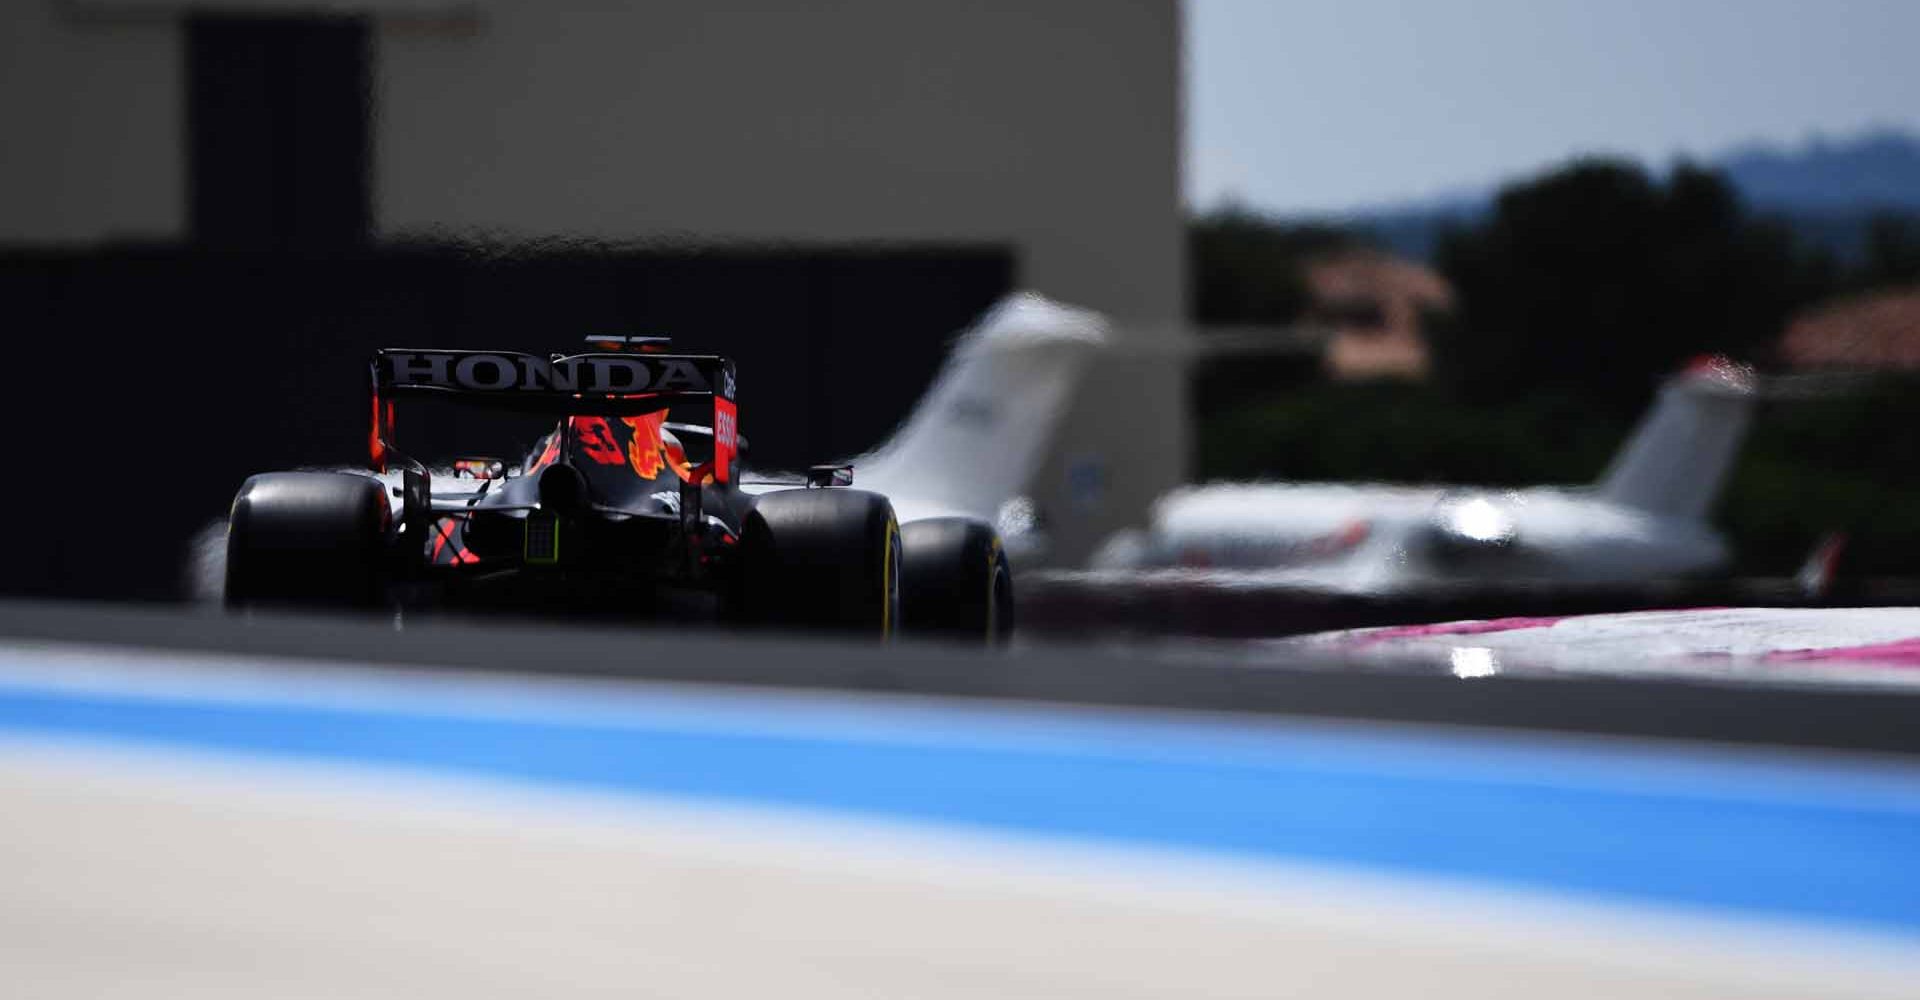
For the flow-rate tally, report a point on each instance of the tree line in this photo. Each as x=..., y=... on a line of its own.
x=1574, y=294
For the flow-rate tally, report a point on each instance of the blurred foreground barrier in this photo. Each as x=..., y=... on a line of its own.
x=1777, y=712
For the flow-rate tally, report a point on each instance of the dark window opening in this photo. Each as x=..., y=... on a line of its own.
x=278, y=136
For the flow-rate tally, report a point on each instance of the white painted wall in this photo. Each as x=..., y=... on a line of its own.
x=93, y=128
x=1053, y=126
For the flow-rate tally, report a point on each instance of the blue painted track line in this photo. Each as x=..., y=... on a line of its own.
x=1830, y=843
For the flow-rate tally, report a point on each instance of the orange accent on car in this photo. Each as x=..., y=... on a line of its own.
x=376, y=445
x=596, y=439
x=444, y=541
x=442, y=534
x=645, y=447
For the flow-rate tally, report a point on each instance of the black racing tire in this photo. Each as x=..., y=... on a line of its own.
x=822, y=558
x=308, y=538
x=955, y=581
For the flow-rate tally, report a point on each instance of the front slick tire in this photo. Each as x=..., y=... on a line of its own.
x=955, y=580
x=825, y=559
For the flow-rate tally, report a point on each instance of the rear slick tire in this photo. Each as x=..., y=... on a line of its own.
x=308, y=538
x=955, y=580
x=822, y=559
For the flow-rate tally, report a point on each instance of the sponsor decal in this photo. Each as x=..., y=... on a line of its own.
x=603, y=373
x=1087, y=483
x=726, y=437
x=647, y=450
x=973, y=411
x=595, y=439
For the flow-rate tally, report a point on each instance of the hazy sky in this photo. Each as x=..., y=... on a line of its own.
x=1310, y=105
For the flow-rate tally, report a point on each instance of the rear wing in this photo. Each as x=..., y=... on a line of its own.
x=580, y=384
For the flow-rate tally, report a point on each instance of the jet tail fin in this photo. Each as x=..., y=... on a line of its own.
x=1815, y=578
x=976, y=438
x=1677, y=459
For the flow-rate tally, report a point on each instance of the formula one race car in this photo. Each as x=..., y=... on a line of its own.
x=615, y=502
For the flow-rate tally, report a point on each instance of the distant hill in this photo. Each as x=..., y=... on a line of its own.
x=1827, y=189
x=1875, y=170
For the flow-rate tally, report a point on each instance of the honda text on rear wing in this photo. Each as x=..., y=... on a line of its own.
x=581, y=384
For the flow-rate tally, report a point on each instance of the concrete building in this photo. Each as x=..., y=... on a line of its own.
x=1375, y=307
x=1870, y=331
x=1050, y=130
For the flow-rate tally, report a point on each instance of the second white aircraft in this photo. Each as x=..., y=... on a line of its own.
x=1645, y=519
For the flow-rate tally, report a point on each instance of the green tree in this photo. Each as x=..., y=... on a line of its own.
x=1892, y=253
x=1596, y=278
x=1246, y=268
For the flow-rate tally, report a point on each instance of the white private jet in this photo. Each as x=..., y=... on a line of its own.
x=974, y=441
x=1644, y=520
